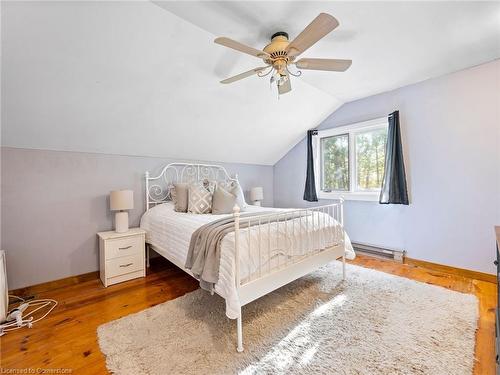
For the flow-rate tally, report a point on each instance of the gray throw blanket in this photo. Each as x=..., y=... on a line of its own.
x=203, y=257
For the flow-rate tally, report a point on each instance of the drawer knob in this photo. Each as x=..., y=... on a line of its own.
x=126, y=265
x=125, y=248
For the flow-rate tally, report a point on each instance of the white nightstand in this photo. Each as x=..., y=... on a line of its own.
x=121, y=256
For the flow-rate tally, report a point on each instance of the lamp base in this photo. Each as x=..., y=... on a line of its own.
x=121, y=222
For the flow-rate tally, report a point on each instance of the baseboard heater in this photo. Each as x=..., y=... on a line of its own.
x=383, y=252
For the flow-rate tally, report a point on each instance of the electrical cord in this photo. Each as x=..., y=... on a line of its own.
x=20, y=316
x=16, y=297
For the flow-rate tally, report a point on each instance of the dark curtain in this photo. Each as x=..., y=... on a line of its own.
x=394, y=190
x=310, y=189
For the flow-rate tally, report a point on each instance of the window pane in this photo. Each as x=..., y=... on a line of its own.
x=335, y=163
x=370, y=158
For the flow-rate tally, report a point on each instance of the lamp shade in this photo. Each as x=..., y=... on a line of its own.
x=256, y=193
x=121, y=200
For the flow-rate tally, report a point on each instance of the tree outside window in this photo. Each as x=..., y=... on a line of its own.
x=335, y=151
x=353, y=160
x=370, y=159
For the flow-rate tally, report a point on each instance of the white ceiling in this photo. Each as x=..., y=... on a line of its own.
x=132, y=78
x=392, y=44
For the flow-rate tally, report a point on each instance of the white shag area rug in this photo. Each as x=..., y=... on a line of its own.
x=372, y=323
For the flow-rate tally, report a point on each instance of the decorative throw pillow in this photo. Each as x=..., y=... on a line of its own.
x=240, y=197
x=180, y=197
x=199, y=199
x=171, y=192
x=209, y=185
x=223, y=201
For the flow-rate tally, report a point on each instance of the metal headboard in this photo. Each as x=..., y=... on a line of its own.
x=158, y=188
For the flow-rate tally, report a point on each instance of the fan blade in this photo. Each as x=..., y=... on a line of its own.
x=285, y=87
x=316, y=30
x=334, y=65
x=226, y=42
x=244, y=75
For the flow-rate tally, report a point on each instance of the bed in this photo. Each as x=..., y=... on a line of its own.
x=274, y=247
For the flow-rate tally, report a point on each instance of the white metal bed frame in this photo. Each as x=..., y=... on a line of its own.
x=264, y=280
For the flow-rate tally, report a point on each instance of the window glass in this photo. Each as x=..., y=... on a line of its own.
x=370, y=158
x=335, y=163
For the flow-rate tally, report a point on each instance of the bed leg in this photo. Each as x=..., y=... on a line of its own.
x=343, y=267
x=239, y=328
x=147, y=255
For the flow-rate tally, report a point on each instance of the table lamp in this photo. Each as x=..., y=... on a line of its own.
x=256, y=195
x=120, y=201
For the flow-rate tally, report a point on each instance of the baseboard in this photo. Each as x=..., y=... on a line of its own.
x=55, y=284
x=72, y=280
x=67, y=281
x=452, y=270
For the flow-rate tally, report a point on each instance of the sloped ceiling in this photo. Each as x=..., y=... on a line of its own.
x=392, y=44
x=138, y=78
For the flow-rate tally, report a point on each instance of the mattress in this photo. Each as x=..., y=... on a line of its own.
x=170, y=233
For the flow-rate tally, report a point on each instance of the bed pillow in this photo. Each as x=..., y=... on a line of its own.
x=180, y=197
x=209, y=185
x=223, y=201
x=240, y=197
x=199, y=199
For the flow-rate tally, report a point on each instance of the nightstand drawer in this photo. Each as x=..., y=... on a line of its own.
x=123, y=265
x=124, y=247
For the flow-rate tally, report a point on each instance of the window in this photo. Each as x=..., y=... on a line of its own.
x=335, y=154
x=351, y=160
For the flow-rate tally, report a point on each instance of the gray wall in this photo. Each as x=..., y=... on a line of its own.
x=53, y=203
x=451, y=130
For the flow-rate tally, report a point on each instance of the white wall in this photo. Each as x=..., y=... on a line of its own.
x=451, y=131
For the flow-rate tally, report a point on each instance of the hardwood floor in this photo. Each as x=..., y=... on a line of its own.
x=67, y=339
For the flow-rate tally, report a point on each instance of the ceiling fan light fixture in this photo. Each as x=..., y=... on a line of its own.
x=282, y=80
x=280, y=53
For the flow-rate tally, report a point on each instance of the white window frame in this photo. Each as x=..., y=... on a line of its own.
x=351, y=130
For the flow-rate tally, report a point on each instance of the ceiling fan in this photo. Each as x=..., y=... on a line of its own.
x=281, y=53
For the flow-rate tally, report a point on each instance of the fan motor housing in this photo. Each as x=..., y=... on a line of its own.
x=277, y=48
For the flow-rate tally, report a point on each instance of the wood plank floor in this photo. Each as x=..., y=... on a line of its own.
x=67, y=338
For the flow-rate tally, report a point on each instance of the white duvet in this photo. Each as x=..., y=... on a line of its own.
x=170, y=233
